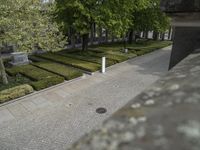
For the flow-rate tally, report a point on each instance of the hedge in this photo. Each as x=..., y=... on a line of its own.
x=67, y=72
x=37, y=59
x=37, y=75
x=48, y=82
x=114, y=57
x=15, y=92
x=84, y=65
x=86, y=57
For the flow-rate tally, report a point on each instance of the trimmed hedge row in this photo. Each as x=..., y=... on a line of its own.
x=59, y=69
x=86, y=57
x=37, y=75
x=84, y=65
x=37, y=59
x=114, y=57
x=45, y=83
x=15, y=92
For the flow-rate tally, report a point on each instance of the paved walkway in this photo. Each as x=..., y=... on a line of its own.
x=54, y=119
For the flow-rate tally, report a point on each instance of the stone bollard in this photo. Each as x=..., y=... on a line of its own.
x=103, y=65
x=126, y=50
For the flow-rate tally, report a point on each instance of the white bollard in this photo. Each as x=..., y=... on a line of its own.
x=125, y=50
x=103, y=65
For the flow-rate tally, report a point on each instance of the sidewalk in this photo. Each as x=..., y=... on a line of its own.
x=54, y=119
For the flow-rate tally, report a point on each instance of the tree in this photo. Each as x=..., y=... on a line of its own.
x=150, y=18
x=115, y=16
x=78, y=15
x=81, y=15
x=28, y=25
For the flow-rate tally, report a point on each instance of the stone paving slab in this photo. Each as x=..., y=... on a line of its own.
x=57, y=117
x=163, y=117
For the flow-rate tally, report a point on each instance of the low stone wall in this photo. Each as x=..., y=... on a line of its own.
x=164, y=117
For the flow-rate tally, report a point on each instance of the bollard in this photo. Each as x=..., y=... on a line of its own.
x=125, y=50
x=103, y=65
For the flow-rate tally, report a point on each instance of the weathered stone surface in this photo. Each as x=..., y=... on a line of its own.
x=164, y=117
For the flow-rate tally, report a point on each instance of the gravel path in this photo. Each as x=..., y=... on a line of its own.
x=54, y=119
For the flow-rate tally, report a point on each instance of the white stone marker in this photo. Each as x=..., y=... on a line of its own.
x=103, y=65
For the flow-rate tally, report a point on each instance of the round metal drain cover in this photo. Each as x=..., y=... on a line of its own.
x=101, y=110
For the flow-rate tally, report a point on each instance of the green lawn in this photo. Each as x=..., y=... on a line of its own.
x=77, y=63
x=67, y=72
x=86, y=57
x=143, y=47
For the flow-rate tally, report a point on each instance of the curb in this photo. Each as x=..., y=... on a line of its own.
x=44, y=90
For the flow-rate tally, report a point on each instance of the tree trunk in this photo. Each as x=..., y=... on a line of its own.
x=85, y=40
x=92, y=34
x=124, y=39
x=106, y=36
x=2, y=71
x=100, y=35
x=113, y=38
x=163, y=36
x=72, y=37
x=73, y=41
x=95, y=31
x=130, y=37
x=155, y=35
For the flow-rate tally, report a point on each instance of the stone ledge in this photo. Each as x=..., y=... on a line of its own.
x=164, y=117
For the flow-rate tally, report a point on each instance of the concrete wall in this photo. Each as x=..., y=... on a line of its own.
x=186, y=40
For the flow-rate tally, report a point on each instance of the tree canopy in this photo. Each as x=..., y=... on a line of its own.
x=150, y=18
x=26, y=24
x=113, y=15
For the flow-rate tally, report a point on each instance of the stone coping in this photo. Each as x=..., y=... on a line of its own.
x=164, y=117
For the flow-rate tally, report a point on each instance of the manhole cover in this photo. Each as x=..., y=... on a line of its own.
x=101, y=110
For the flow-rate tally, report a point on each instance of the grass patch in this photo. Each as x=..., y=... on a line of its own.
x=84, y=65
x=135, y=49
x=114, y=57
x=86, y=57
x=36, y=59
x=45, y=83
x=67, y=72
x=15, y=92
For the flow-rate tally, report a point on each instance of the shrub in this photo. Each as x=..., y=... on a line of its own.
x=41, y=78
x=15, y=92
x=48, y=82
x=67, y=72
x=113, y=57
x=84, y=65
x=14, y=81
x=32, y=72
x=86, y=57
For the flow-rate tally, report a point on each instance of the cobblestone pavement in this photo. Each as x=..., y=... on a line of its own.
x=55, y=118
